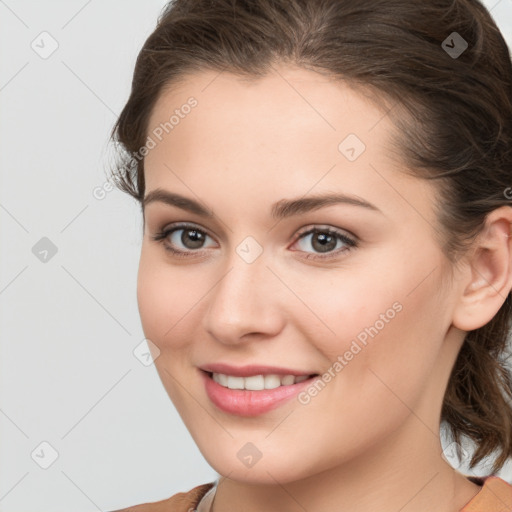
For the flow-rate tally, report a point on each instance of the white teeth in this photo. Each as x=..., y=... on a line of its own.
x=223, y=379
x=256, y=382
x=272, y=381
x=253, y=383
x=235, y=382
x=287, y=380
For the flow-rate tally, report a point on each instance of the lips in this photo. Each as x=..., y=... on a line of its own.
x=243, y=402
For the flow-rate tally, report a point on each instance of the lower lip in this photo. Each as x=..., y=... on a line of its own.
x=250, y=403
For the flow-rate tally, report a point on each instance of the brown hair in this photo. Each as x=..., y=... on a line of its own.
x=453, y=115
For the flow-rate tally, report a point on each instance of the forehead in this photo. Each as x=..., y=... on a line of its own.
x=286, y=98
x=276, y=136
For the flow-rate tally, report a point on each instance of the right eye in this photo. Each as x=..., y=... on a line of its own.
x=189, y=236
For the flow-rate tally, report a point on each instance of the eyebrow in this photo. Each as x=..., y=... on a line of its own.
x=280, y=210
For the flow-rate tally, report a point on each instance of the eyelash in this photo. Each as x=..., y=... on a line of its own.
x=351, y=243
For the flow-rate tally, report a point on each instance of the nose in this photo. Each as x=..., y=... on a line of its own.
x=245, y=303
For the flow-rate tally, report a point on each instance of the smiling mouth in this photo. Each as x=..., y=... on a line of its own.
x=257, y=382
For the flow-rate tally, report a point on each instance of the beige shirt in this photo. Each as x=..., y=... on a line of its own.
x=494, y=496
x=206, y=502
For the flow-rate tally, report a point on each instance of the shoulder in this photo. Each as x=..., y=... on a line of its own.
x=180, y=502
x=495, y=496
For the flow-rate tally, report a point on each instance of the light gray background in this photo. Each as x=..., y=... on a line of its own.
x=69, y=325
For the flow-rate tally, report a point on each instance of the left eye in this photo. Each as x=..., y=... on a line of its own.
x=191, y=238
x=325, y=241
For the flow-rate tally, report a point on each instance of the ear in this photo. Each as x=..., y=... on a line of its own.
x=487, y=273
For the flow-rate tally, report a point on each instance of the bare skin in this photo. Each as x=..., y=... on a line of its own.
x=369, y=440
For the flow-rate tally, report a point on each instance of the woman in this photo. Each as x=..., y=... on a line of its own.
x=326, y=268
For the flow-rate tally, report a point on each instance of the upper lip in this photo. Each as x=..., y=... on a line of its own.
x=252, y=369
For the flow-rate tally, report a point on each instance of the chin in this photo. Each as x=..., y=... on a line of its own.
x=267, y=470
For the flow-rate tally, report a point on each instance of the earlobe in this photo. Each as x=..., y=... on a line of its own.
x=488, y=274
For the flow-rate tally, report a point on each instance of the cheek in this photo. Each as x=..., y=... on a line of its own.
x=165, y=299
x=387, y=341
x=346, y=304
x=166, y=311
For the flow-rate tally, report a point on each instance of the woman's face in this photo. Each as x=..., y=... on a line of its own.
x=364, y=302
